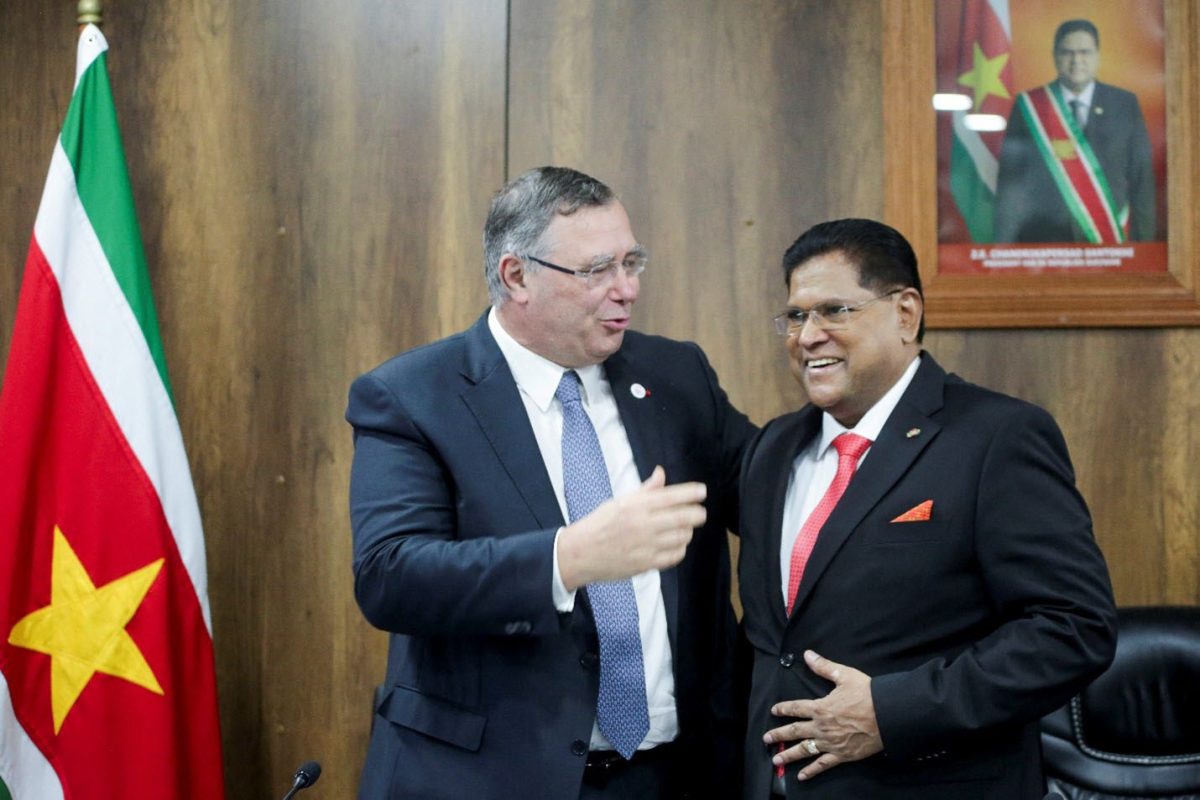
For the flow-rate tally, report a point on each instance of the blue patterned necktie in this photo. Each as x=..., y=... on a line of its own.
x=621, y=711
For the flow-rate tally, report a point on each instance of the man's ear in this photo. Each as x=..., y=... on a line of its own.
x=512, y=276
x=910, y=309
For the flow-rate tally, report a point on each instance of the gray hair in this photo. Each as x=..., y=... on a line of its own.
x=525, y=207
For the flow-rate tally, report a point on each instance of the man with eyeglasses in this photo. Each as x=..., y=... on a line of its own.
x=539, y=507
x=1075, y=164
x=917, y=570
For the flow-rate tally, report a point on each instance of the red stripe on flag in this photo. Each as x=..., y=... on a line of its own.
x=65, y=462
x=981, y=25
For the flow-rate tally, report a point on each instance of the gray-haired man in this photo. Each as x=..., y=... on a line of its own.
x=539, y=506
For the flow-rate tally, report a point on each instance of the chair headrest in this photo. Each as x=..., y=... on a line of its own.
x=1148, y=702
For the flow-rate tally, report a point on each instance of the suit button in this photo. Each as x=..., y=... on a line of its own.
x=589, y=660
x=579, y=747
x=787, y=659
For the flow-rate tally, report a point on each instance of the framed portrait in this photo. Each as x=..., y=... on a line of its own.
x=1041, y=155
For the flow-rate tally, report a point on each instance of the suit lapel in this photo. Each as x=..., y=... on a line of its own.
x=495, y=401
x=640, y=416
x=793, y=440
x=889, y=459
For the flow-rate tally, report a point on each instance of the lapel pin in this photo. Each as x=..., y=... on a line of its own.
x=638, y=391
x=912, y=432
x=1098, y=110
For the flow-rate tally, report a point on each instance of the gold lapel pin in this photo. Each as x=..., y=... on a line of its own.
x=1098, y=110
x=912, y=432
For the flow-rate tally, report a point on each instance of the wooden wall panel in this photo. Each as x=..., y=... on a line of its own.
x=311, y=179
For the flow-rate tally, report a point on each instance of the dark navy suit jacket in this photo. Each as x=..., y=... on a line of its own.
x=972, y=624
x=491, y=692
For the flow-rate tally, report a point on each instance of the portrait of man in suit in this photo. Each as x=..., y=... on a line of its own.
x=539, y=507
x=1075, y=163
x=918, y=574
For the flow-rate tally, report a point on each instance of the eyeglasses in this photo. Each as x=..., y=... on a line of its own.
x=827, y=317
x=604, y=273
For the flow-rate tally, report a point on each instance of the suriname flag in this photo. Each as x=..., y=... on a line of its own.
x=107, y=687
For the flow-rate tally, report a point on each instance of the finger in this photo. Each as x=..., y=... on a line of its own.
x=670, y=558
x=826, y=761
x=678, y=494
x=792, y=732
x=802, y=709
x=657, y=479
x=790, y=755
x=678, y=539
x=683, y=517
x=823, y=666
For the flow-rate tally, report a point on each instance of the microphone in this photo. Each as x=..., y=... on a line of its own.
x=305, y=776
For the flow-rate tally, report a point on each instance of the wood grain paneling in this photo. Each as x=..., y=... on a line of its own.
x=311, y=180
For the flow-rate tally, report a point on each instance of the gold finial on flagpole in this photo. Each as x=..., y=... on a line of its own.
x=90, y=11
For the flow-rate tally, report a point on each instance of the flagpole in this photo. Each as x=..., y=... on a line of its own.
x=90, y=12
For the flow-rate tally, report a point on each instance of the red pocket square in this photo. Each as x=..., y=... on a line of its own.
x=917, y=513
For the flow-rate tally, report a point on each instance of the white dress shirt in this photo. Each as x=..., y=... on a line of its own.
x=537, y=379
x=815, y=467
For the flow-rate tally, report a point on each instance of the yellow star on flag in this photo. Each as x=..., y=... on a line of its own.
x=83, y=628
x=984, y=76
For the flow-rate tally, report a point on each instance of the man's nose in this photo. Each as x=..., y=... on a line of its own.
x=810, y=332
x=624, y=285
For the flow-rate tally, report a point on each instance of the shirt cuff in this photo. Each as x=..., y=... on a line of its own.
x=564, y=601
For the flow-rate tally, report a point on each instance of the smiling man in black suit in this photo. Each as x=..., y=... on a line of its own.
x=917, y=570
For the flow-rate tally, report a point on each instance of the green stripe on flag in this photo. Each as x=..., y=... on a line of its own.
x=4, y=793
x=976, y=202
x=92, y=142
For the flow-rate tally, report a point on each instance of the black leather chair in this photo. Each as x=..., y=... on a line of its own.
x=1134, y=733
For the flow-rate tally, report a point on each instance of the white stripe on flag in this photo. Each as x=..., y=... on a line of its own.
x=985, y=163
x=23, y=768
x=119, y=359
x=1000, y=9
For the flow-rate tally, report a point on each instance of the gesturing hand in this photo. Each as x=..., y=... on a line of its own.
x=840, y=726
x=628, y=535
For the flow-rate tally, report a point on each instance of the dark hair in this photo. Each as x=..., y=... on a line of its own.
x=884, y=258
x=1074, y=26
x=525, y=207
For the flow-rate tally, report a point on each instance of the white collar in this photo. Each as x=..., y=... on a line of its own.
x=872, y=422
x=1084, y=97
x=536, y=375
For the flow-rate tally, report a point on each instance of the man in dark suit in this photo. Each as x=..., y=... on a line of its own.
x=1075, y=163
x=530, y=657
x=917, y=570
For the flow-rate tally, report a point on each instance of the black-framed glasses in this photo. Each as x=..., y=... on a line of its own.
x=827, y=316
x=603, y=273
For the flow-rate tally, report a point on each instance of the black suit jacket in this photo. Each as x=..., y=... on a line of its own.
x=490, y=692
x=1029, y=206
x=972, y=624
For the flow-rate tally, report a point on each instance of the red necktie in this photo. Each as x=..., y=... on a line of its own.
x=850, y=448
